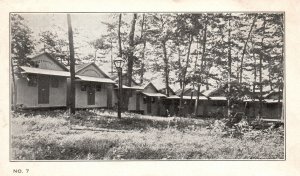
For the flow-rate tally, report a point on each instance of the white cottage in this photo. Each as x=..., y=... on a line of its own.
x=42, y=86
x=93, y=87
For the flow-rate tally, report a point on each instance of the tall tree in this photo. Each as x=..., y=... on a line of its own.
x=129, y=52
x=229, y=65
x=22, y=46
x=72, y=65
x=119, y=35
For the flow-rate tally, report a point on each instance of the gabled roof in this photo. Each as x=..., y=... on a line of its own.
x=80, y=67
x=187, y=90
x=160, y=86
x=53, y=59
x=149, y=84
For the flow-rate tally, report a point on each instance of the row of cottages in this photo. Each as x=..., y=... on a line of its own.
x=209, y=102
x=47, y=85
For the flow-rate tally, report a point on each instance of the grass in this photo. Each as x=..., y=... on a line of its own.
x=47, y=136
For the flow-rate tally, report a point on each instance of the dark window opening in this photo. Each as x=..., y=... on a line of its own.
x=83, y=87
x=145, y=99
x=98, y=87
x=54, y=82
x=32, y=80
x=153, y=99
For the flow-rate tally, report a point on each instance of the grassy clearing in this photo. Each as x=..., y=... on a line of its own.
x=47, y=136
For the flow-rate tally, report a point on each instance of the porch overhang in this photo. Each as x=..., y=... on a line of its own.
x=218, y=98
x=154, y=94
x=175, y=97
x=94, y=79
x=40, y=71
x=270, y=101
x=132, y=87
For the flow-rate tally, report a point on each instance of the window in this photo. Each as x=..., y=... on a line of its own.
x=32, y=80
x=54, y=82
x=83, y=87
x=153, y=99
x=130, y=93
x=145, y=99
x=98, y=87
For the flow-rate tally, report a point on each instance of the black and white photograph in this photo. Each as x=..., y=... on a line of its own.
x=147, y=86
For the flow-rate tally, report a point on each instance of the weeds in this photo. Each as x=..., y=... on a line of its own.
x=47, y=136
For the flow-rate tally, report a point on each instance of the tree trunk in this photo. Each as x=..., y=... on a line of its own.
x=201, y=68
x=14, y=88
x=166, y=67
x=130, y=60
x=72, y=66
x=244, y=49
x=179, y=65
x=185, y=69
x=197, y=99
x=111, y=57
x=119, y=35
x=270, y=73
x=254, y=84
x=143, y=64
x=229, y=70
x=130, y=53
x=260, y=70
x=194, y=76
x=142, y=71
x=95, y=55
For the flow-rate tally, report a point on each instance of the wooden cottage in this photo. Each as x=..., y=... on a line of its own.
x=271, y=105
x=150, y=100
x=93, y=87
x=44, y=85
x=188, y=101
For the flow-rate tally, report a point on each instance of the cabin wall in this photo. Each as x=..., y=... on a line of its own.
x=28, y=96
x=272, y=110
x=269, y=110
x=115, y=98
x=81, y=98
x=200, y=110
x=132, y=101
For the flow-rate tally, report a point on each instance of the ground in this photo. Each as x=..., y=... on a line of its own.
x=99, y=135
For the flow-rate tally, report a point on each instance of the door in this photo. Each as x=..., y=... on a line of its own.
x=43, y=89
x=137, y=101
x=109, y=96
x=91, y=94
x=149, y=105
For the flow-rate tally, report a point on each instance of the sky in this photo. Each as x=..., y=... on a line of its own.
x=88, y=26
